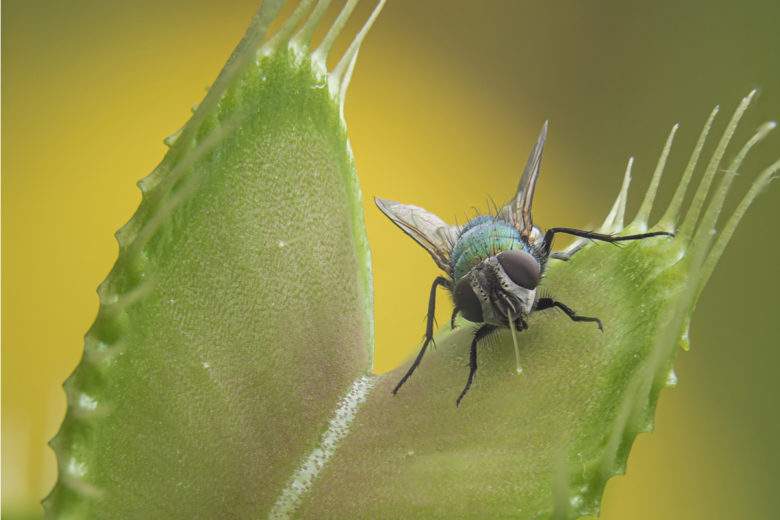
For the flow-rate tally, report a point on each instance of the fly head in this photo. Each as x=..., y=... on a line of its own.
x=499, y=287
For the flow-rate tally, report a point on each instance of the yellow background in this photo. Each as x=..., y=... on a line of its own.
x=445, y=102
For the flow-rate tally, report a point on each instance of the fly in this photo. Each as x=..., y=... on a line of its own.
x=492, y=264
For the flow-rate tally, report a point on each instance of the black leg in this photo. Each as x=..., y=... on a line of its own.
x=550, y=235
x=549, y=303
x=455, y=312
x=440, y=280
x=483, y=331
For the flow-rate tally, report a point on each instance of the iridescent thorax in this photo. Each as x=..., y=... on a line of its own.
x=481, y=238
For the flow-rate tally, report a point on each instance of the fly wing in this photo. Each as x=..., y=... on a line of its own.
x=519, y=210
x=428, y=230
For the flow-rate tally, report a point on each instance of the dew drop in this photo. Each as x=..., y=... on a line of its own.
x=75, y=468
x=171, y=139
x=685, y=342
x=87, y=403
x=671, y=378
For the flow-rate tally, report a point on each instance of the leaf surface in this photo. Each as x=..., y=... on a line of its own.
x=239, y=308
x=543, y=444
x=226, y=375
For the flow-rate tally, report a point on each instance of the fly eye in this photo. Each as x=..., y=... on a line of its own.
x=521, y=268
x=468, y=303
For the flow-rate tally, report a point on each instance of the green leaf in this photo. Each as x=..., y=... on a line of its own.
x=543, y=444
x=242, y=290
x=226, y=372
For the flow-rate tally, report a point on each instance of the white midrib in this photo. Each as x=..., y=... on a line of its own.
x=301, y=481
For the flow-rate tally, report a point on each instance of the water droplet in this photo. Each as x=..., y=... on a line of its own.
x=171, y=139
x=671, y=378
x=87, y=403
x=76, y=468
x=685, y=340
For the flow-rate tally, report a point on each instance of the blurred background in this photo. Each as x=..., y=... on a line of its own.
x=445, y=102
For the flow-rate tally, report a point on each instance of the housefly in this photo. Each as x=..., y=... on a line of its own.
x=493, y=264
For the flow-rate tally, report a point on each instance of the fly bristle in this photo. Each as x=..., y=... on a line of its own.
x=492, y=202
x=458, y=229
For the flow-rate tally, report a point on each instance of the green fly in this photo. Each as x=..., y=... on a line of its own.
x=492, y=264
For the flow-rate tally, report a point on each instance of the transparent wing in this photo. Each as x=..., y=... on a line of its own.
x=428, y=230
x=518, y=212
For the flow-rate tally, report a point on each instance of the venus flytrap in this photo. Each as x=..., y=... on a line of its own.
x=543, y=445
x=222, y=378
x=219, y=349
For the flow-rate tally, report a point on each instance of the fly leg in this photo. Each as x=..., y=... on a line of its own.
x=483, y=331
x=440, y=280
x=550, y=235
x=455, y=312
x=548, y=303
